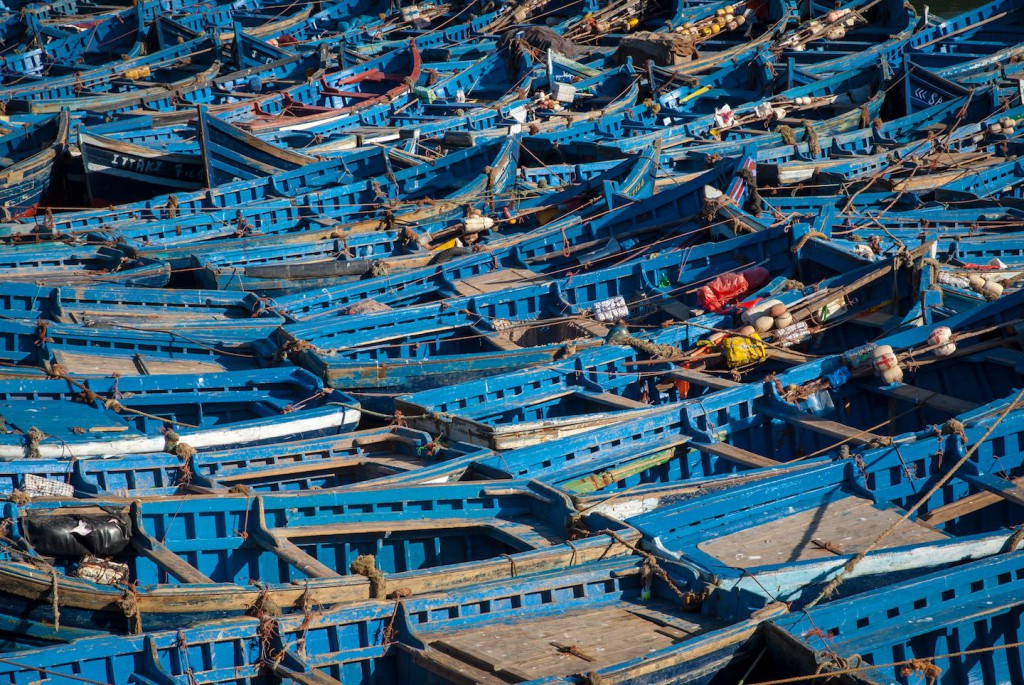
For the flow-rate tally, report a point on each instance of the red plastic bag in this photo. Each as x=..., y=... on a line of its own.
x=730, y=288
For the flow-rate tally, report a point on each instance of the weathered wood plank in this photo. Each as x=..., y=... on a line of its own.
x=832, y=429
x=496, y=281
x=169, y=561
x=736, y=455
x=928, y=398
x=706, y=379
x=964, y=506
x=290, y=552
x=618, y=401
x=1004, y=489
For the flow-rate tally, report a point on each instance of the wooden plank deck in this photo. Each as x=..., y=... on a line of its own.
x=83, y=363
x=494, y=281
x=844, y=526
x=561, y=645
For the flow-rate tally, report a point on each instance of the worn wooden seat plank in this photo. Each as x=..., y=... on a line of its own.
x=833, y=429
x=928, y=398
x=737, y=455
x=170, y=562
x=706, y=379
x=618, y=401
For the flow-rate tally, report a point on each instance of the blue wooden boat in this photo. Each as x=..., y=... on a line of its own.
x=835, y=107
x=183, y=56
x=383, y=79
x=787, y=536
x=501, y=320
x=423, y=638
x=59, y=264
x=28, y=181
x=620, y=221
x=865, y=153
x=157, y=656
x=919, y=628
x=622, y=468
x=608, y=620
x=444, y=178
x=615, y=383
x=317, y=261
x=141, y=308
x=230, y=154
x=188, y=566
x=849, y=36
x=139, y=414
x=83, y=350
x=367, y=458
x=974, y=39
x=117, y=172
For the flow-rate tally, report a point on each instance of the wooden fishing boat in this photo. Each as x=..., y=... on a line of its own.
x=59, y=264
x=416, y=254
x=140, y=308
x=836, y=104
x=83, y=350
x=365, y=458
x=802, y=538
x=848, y=36
x=183, y=53
x=157, y=655
x=615, y=383
x=118, y=172
x=221, y=205
x=115, y=415
x=568, y=240
x=605, y=620
x=230, y=154
x=380, y=80
x=429, y=634
x=488, y=325
x=918, y=628
x=462, y=534
x=963, y=41
x=622, y=468
x=28, y=181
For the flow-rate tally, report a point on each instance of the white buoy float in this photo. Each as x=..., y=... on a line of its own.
x=887, y=366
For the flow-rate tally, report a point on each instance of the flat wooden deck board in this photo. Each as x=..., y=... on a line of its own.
x=104, y=365
x=523, y=649
x=849, y=524
x=497, y=280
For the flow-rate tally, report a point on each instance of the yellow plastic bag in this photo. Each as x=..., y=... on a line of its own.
x=743, y=350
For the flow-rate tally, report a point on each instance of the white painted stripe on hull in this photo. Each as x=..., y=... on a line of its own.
x=200, y=439
x=787, y=583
